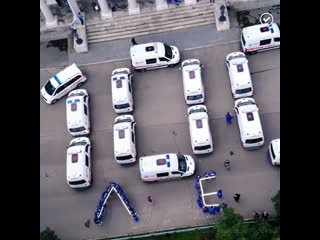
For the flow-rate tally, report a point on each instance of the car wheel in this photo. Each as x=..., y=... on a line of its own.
x=253, y=52
x=80, y=84
x=54, y=101
x=171, y=65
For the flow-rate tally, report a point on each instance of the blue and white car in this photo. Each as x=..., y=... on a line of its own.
x=62, y=83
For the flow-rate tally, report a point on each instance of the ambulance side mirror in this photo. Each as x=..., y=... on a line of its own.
x=201, y=65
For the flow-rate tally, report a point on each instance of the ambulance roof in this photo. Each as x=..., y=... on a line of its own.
x=122, y=138
x=120, y=88
x=75, y=162
x=161, y=162
x=192, y=76
x=239, y=70
x=199, y=125
x=75, y=111
x=64, y=75
x=261, y=31
x=147, y=50
x=249, y=116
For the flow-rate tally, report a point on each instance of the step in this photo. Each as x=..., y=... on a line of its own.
x=176, y=18
x=149, y=18
x=128, y=36
x=150, y=26
x=153, y=13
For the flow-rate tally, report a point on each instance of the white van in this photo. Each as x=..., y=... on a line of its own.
x=200, y=135
x=166, y=166
x=77, y=111
x=62, y=83
x=79, y=163
x=274, y=151
x=249, y=123
x=122, y=100
x=153, y=55
x=124, y=139
x=192, y=81
x=239, y=75
x=260, y=37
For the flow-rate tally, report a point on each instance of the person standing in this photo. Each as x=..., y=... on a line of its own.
x=133, y=41
x=227, y=164
x=229, y=118
x=236, y=197
x=150, y=199
x=80, y=17
x=265, y=215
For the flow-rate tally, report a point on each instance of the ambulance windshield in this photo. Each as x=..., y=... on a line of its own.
x=182, y=163
x=168, y=51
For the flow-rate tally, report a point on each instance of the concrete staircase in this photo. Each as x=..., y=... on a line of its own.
x=170, y=19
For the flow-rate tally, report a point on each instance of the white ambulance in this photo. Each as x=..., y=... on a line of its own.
x=260, y=37
x=239, y=75
x=124, y=139
x=192, y=81
x=250, y=128
x=153, y=55
x=79, y=163
x=77, y=111
x=200, y=135
x=274, y=151
x=62, y=83
x=165, y=167
x=121, y=86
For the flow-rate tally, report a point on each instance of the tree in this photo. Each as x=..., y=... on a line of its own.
x=48, y=234
x=276, y=202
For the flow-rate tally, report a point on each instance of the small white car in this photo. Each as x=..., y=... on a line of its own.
x=200, y=134
x=250, y=127
x=239, y=75
x=166, y=166
x=121, y=85
x=192, y=81
x=153, y=55
x=274, y=151
x=77, y=111
x=62, y=83
x=124, y=139
x=79, y=163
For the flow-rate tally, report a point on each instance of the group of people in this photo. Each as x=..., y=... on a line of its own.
x=211, y=210
x=102, y=203
x=264, y=215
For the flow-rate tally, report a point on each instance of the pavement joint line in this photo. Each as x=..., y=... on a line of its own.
x=123, y=59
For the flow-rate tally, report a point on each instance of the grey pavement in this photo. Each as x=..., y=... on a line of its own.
x=119, y=49
x=159, y=110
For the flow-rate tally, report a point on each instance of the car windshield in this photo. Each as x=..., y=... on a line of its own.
x=236, y=57
x=190, y=63
x=168, y=51
x=76, y=94
x=78, y=143
x=182, y=163
x=197, y=110
x=123, y=120
x=250, y=102
x=195, y=97
x=244, y=90
x=49, y=88
x=120, y=72
x=120, y=106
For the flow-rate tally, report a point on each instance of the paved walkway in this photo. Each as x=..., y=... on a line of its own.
x=51, y=57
